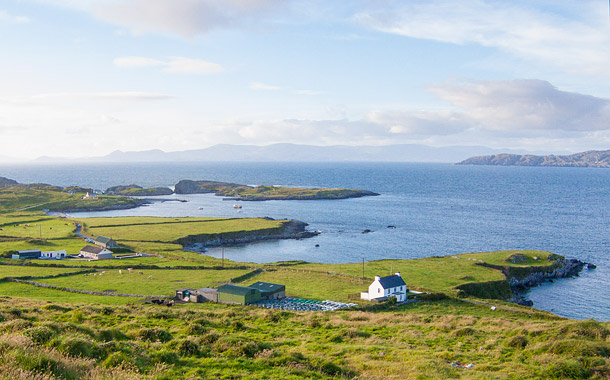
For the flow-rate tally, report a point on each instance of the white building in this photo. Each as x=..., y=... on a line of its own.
x=95, y=253
x=384, y=287
x=53, y=254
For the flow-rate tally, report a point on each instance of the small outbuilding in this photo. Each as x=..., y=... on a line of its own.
x=54, y=254
x=105, y=242
x=27, y=254
x=95, y=253
x=270, y=291
x=239, y=295
x=197, y=295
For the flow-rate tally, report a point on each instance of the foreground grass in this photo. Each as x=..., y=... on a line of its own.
x=421, y=341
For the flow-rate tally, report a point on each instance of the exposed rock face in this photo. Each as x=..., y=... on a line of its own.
x=593, y=159
x=293, y=229
x=568, y=268
x=6, y=182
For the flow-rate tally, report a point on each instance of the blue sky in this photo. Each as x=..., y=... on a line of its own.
x=86, y=77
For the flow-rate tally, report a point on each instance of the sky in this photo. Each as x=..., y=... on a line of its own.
x=87, y=77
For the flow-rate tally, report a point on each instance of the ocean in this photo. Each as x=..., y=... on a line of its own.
x=437, y=209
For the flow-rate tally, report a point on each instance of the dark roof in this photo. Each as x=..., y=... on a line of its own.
x=29, y=251
x=267, y=287
x=92, y=249
x=103, y=239
x=236, y=290
x=391, y=281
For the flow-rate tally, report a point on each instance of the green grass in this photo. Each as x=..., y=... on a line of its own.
x=163, y=282
x=501, y=258
x=417, y=341
x=20, y=271
x=25, y=292
x=36, y=227
x=168, y=231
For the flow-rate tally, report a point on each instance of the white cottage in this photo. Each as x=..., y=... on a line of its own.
x=53, y=254
x=384, y=287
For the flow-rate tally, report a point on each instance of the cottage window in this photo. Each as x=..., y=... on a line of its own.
x=378, y=290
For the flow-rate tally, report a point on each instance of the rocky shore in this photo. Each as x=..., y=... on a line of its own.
x=294, y=229
x=567, y=268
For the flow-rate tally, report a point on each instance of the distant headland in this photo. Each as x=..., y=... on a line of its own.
x=589, y=159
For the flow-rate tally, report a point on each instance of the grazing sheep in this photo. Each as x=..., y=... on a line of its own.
x=149, y=277
x=120, y=271
x=140, y=272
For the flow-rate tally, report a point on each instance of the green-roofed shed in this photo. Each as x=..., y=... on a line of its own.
x=239, y=295
x=270, y=291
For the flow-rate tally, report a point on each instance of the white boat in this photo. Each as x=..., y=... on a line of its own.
x=200, y=208
x=236, y=206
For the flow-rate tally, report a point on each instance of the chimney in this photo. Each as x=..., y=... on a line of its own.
x=398, y=274
x=377, y=278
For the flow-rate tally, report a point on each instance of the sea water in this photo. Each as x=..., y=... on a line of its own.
x=436, y=209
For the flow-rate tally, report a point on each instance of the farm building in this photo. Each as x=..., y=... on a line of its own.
x=105, y=242
x=197, y=295
x=95, y=253
x=27, y=254
x=53, y=254
x=270, y=291
x=384, y=287
x=239, y=295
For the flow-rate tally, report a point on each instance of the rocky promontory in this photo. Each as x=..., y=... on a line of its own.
x=233, y=191
x=591, y=159
x=292, y=229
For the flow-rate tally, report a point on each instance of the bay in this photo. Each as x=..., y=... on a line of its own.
x=438, y=209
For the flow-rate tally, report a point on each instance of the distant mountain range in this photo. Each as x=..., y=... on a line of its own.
x=591, y=159
x=297, y=153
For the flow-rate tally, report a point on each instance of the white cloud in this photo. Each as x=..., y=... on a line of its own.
x=578, y=43
x=12, y=19
x=187, y=18
x=526, y=105
x=263, y=86
x=172, y=65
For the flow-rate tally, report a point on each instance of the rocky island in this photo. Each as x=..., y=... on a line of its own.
x=235, y=191
x=138, y=191
x=590, y=159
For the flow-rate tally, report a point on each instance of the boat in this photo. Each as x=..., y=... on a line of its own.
x=200, y=208
x=236, y=206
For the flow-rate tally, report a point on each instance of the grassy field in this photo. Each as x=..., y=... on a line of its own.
x=421, y=341
x=168, y=230
x=21, y=271
x=161, y=282
x=36, y=227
